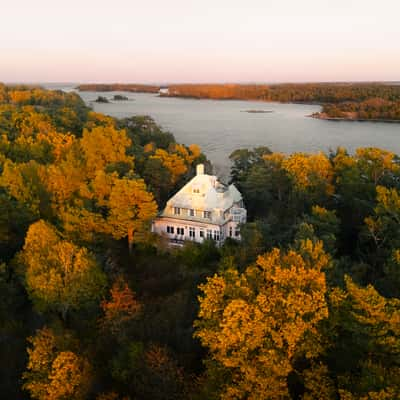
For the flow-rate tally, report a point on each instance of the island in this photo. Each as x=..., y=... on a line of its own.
x=119, y=97
x=257, y=111
x=374, y=109
x=102, y=99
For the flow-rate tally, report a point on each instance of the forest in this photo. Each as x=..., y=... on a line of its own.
x=94, y=306
x=110, y=87
x=370, y=109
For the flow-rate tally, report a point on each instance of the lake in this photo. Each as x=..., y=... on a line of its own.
x=222, y=126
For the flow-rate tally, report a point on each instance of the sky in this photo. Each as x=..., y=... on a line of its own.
x=166, y=41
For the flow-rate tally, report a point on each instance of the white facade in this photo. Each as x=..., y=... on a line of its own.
x=164, y=90
x=203, y=209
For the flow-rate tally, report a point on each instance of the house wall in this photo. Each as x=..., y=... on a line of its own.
x=219, y=233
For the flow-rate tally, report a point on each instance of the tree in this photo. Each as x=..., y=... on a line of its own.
x=59, y=276
x=174, y=162
x=257, y=324
x=365, y=354
x=104, y=146
x=25, y=183
x=122, y=307
x=312, y=174
x=54, y=373
x=131, y=209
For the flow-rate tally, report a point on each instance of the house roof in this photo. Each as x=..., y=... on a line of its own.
x=205, y=192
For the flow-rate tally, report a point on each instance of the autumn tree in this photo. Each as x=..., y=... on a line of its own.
x=105, y=146
x=365, y=349
x=121, y=308
x=59, y=276
x=131, y=209
x=312, y=175
x=53, y=372
x=257, y=324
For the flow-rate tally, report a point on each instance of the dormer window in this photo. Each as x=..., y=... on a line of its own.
x=191, y=212
x=196, y=190
x=207, y=214
x=177, y=211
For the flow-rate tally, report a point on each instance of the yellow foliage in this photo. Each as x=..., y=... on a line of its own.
x=173, y=162
x=103, y=146
x=96, y=119
x=131, y=208
x=275, y=159
x=195, y=152
x=310, y=171
x=69, y=377
x=19, y=96
x=376, y=162
x=255, y=323
x=149, y=147
x=53, y=374
x=59, y=275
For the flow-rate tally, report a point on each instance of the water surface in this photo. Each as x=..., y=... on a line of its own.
x=222, y=126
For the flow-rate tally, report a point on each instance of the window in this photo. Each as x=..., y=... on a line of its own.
x=207, y=214
x=237, y=214
x=201, y=233
x=177, y=211
x=209, y=234
x=230, y=231
x=192, y=232
x=170, y=229
x=237, y=232
x=216, y=235
x=180, y=231
x=196, y=190
x=191, y=212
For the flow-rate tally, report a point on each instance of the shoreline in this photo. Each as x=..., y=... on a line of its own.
x=338, y=119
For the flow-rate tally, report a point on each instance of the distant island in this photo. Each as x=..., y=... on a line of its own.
x=102, y=99
x=119, y=97
x=339, y=101
x=257, y=111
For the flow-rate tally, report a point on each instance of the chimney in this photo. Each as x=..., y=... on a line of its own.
x=200, y=169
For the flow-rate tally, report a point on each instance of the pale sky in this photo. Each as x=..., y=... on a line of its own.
x=199, y=40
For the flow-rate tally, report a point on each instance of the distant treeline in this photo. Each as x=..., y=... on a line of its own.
x=296, y=92
x=131, y=87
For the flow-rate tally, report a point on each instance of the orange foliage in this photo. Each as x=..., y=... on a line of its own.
x=121, y=308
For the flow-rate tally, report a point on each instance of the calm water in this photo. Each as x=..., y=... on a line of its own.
x=220, y=127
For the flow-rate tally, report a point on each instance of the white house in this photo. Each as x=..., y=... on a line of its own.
x=163, y=91
x=203, y=209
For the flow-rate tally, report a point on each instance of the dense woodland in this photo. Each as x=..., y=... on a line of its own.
x=350, y=101
x=131, y=87
x=93, y=306
x=371, y=109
